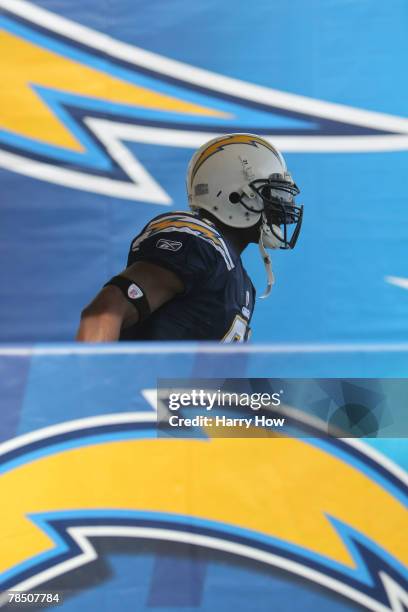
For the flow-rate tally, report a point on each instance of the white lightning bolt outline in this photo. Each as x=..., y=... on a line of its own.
x=147, y=189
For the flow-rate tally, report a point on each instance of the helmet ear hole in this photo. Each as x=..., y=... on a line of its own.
x=234, y=197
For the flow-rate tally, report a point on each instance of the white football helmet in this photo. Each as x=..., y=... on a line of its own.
x=242, y=180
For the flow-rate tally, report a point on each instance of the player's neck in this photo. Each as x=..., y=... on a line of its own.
x=239, y=239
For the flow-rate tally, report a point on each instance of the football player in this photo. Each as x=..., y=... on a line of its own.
x=184, y=278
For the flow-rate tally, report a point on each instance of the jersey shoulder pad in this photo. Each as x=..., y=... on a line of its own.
x=189, y=224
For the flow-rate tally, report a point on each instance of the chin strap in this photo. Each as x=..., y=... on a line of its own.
x=268, y=266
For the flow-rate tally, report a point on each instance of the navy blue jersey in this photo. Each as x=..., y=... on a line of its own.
x=218, y=298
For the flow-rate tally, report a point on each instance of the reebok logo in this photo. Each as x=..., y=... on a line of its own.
x=169, y=245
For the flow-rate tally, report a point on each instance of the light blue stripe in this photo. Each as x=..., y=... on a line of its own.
x=360, y=573
x=79, y=442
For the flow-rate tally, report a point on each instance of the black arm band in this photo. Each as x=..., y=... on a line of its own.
x=133, y=293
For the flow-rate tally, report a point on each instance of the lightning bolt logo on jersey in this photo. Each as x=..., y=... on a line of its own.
x=218, y=298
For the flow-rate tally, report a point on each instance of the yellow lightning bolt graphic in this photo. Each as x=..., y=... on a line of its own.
x=280, y=487
x=22, y=111
x=228, y=140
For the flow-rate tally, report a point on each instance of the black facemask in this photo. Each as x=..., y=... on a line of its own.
x=279, y=210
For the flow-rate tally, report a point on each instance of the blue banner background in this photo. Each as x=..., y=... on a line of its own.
x=61, y=244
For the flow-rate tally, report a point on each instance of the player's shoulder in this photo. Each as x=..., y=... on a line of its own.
x=181, y=219
x=202, y=234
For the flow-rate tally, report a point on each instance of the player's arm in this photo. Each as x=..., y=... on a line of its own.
x=110, y=310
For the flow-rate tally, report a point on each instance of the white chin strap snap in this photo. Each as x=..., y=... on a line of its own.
x=268, y=265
